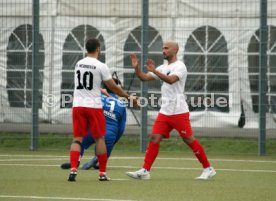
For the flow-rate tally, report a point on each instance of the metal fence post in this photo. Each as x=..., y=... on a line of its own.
x=35, y=76
x=144, y=85
x=262, y=77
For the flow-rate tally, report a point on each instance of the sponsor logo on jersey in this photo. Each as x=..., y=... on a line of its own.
x=87, y=66
x=110, y=115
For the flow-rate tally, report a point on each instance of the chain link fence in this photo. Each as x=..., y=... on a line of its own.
x=219, y=43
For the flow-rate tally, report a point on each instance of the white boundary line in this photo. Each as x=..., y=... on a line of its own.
x=33, y=159
x=29, y=155
x=228, y=170
x=53, y=157
x=29, y=165
x=59, y=198
x=162, y=168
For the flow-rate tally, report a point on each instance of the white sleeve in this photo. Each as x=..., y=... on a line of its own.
x=159, y=68
x=180, y=70
x=106, y=75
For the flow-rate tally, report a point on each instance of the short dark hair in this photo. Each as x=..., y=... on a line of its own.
x=117, y=81
x=92, y=44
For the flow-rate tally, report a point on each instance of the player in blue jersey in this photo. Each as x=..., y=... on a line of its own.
x=115, y=116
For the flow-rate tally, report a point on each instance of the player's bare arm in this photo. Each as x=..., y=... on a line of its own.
x=135, y=64
x=115, y=88
x=170, y=79
x=104, y=92
x=120, y=92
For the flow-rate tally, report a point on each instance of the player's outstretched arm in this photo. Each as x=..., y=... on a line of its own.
x=115, y=88
x=135, y=64
x=120, y=92
x=170, y=79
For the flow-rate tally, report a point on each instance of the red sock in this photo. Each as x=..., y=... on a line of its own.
x=74, y=159
x=151, y=154
x=102, y=162
x=199, y=153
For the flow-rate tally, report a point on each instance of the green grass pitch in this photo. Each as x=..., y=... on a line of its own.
x=36, y=175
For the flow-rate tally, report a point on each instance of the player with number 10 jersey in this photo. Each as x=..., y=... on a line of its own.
x=87, y=106
x=89, y=73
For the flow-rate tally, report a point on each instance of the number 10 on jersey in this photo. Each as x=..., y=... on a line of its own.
x=85, y=80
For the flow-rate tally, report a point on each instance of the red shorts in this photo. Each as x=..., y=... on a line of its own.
x=85, y=118
x=164, y=124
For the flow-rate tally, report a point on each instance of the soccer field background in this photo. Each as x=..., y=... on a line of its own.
x=131, y=143
x=229, y=49
x=37, y=176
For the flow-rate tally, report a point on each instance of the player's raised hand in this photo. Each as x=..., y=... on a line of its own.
x=134, y=60
x=150, y=65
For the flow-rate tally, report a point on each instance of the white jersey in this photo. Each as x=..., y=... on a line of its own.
x=89, y=74
x=173, y=98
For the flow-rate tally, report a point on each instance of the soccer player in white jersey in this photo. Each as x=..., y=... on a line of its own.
x=174, y=112
x=87, y=109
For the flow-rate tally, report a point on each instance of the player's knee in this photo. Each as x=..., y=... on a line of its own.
x=156, y=138
x=76, y=142
x=76, y=145
x=188, y=139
